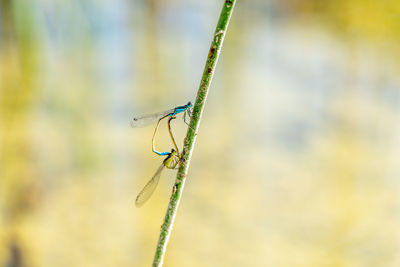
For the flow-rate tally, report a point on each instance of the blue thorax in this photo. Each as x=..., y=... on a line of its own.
x=180, y=109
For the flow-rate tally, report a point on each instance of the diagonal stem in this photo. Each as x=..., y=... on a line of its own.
x=190, y=138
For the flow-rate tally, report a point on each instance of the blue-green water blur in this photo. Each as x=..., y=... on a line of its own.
x=296, y=161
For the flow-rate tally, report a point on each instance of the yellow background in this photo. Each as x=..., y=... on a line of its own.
x=297, y=157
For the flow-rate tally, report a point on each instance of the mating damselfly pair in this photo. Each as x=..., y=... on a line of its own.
x=173, y=157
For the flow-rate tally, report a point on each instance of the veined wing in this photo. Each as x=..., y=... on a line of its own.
x=144, y=120
x=149, y=188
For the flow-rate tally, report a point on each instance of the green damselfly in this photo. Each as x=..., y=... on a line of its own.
x=170, y=162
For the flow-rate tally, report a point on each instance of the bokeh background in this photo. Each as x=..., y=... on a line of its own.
x=297, y=157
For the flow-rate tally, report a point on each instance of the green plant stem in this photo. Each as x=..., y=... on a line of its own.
x=190, y=138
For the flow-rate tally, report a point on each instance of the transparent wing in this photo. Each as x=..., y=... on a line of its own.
x=149, y=188
x=141, y=121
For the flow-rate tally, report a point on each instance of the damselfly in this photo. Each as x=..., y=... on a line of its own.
x=142, y=121
x=169, y=162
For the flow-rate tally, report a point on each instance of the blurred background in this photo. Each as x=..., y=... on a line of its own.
x=297, y=157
